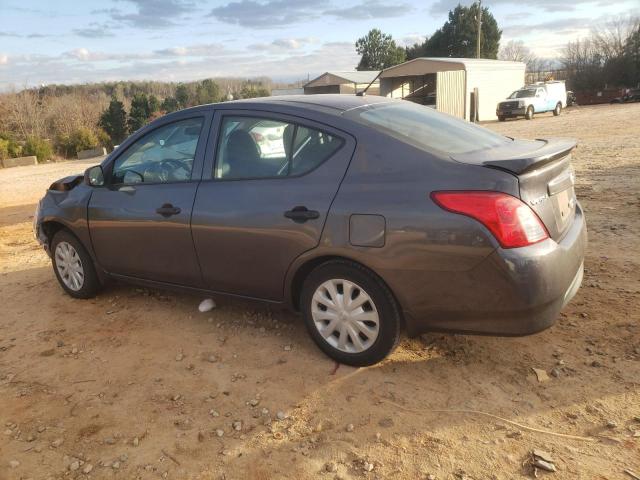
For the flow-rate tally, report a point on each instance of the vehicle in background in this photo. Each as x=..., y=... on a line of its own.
x=536, y=98
x=268, y=136
x=571, y=99
x=628, y=97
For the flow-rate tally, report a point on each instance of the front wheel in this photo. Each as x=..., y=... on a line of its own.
x=350, y=313
x=501, y=118
x=529, y=114
x=557, y=110
x=73, y=266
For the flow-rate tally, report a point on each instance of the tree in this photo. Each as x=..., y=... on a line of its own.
x=114, y=121
x=252, y=90
x=169, y=104
x=416, y=50
x=378, y=51
x=608, y=57
x=458, y=36
x=515, y=51
x=154, y=104
x=182, y=95
x=139, y=113
x=632, y=55
x=207, y=91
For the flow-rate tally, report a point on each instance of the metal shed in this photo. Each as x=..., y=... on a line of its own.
x=468, y=88
x=344, y=82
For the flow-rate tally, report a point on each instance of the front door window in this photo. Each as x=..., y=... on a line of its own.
x=161, y=156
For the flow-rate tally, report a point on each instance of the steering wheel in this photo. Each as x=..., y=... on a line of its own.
x=164, y=170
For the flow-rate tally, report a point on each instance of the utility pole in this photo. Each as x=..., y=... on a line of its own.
x=479, y=19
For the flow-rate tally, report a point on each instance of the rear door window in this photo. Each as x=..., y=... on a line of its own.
x=255, y=147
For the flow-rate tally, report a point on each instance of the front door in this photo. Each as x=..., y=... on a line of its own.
x=140, y=222
x=265, y=199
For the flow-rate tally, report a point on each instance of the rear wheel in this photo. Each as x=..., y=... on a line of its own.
x=350, y=313
x=73, y=266
x=529, y=114
x=501, y=118
x=558, y=109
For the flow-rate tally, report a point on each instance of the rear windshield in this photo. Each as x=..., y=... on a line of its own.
x=426, y=129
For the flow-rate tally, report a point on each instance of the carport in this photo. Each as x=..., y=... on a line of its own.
x=467, y=88
x=344, y=82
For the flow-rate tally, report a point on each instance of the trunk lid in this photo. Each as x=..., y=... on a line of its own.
x=545, y=177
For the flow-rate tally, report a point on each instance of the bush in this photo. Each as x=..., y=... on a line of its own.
x=9, y=148
x=4, y=148
x=80, y=139
x=38, y=147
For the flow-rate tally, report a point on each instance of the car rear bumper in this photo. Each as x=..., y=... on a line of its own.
x=512, y=292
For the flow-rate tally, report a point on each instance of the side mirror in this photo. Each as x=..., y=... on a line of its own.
x=94, y=176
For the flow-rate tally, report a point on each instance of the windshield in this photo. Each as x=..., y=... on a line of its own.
x=523, y=93
x=426, y=128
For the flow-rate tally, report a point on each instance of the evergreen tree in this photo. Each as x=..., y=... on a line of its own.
x=139, y=113
x=114, y=121
x=207, y=91
x=458, y=36
x=154, y=104
x=169, y=104
x=182, y=96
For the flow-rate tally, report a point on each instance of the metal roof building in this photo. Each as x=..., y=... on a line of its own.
x=468, y=88
x=344, y=82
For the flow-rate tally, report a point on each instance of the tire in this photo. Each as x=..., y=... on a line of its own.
x=557, y=110
x=69, y=256
x=502, y=119
x=364, y=348
x=529, y=114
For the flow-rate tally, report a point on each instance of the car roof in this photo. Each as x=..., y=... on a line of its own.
x=328, y=103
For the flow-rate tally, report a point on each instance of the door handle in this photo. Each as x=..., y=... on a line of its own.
x=166, y=210
x=301, y=214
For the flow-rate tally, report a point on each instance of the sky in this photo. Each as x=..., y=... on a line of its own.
x=71, y=41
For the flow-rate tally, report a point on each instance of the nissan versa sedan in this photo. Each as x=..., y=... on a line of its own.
x=368, y=215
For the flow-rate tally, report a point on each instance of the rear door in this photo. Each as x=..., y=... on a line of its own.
x=266, y=191
x=140, y=221
x=540, y=104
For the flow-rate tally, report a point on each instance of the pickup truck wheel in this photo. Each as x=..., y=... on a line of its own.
x=502, y=118
x=73, y=266
x=557, y=110
x=350, y=313
x=529, y=114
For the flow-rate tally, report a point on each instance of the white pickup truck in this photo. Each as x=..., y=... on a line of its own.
x=537, y=98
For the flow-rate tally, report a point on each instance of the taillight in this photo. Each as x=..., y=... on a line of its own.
x=510, y=220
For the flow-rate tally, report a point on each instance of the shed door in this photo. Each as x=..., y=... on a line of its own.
x=450, y=92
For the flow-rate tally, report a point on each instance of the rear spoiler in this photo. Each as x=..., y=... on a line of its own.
x=520, y=158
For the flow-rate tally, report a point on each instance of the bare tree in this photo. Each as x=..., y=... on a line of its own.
x=611, y=37
x=602, y=59
x=516, y=51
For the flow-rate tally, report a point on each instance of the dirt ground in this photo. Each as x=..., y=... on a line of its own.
x=139, y=384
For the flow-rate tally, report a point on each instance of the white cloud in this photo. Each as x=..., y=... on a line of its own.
x=83, y=65
x=4, y=59
x=80, y=54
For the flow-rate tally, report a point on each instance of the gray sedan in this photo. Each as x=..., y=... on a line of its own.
x=367, y=215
